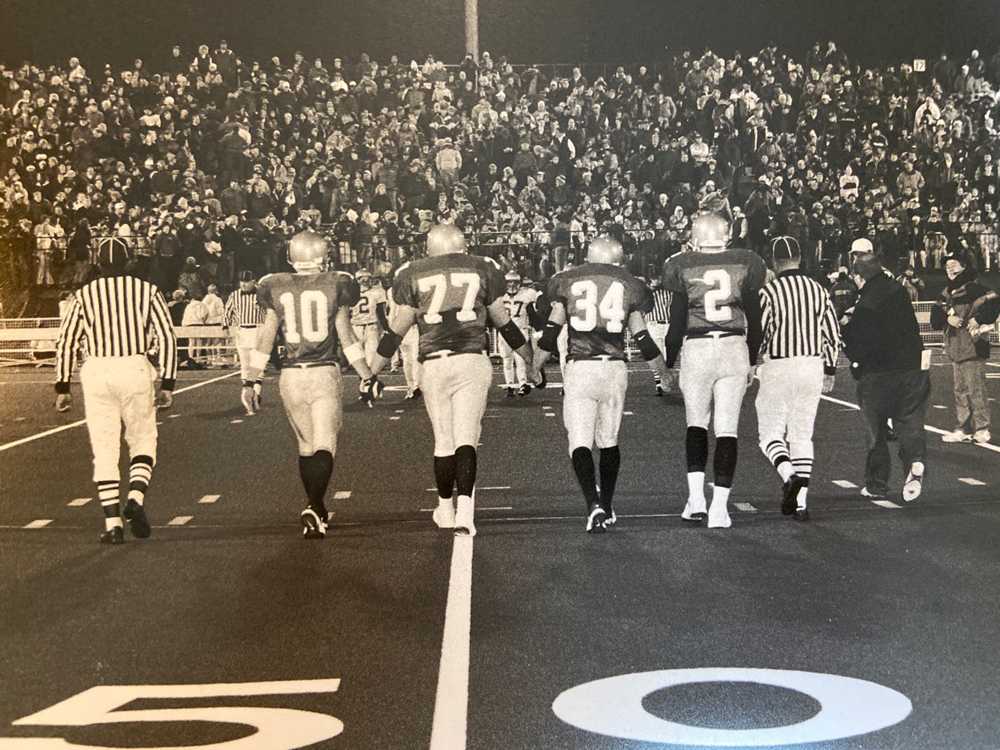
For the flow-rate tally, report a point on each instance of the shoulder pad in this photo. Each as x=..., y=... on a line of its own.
x=401, y=268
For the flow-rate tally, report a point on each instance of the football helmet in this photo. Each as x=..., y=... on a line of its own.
x=710, y=233
x=364, y=279
x=513, y=279
x=307, y=252
x=444, y=239
x=606, y=250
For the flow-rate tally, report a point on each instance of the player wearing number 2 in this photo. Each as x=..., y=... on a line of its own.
x=311, y=307
x=450, y=296
x=597, y=300
x=368, y=315
x=715, y=318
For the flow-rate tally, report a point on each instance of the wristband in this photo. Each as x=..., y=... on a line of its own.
x=647, y=347
x=550, y=337
x=388, y=344
x=512, y=335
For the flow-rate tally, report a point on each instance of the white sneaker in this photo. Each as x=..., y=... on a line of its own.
x=982, y=436
x=913, y=485
x=444, y=514
x=958, y=436
x=694, y=510
x=465, y=517
x=718, y=517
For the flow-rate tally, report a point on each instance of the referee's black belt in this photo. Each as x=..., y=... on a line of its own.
x=253, y=326
x=713, y=335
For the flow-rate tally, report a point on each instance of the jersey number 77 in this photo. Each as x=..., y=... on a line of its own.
x=442, y=287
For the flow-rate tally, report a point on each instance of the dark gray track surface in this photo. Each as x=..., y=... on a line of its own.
x=908, y=598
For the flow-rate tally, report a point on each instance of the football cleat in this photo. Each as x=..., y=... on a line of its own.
x=801, y=514
x=313, y=526
x=444, y=514
x=956, y=436
x=718, y=517
x=417, y=393
x=790, y=494
x=510, y=392
x=465, y=517
x=250, y=400
x=610, y=518
x=659, y=389
x=524, y=390
x=114, y=535
x=138, y=524
x=982, y=436
x=596, y=519
x=694, y=511
x=914, y=483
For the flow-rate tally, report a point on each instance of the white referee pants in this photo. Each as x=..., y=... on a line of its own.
x=787, y=402
x=119, y=391
x=246, y=342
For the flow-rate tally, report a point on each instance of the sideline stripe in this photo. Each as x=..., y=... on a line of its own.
x=451, y=704
x=935, y=430
x=61, y=428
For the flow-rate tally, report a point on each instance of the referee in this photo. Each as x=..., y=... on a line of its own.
x=113, y=316
x=657, y=321
x=801, y=343
x=244, y=315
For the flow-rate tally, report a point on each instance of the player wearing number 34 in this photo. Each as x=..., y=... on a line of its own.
x=311, y=307
x=715, y=327
x=597, y=300
x=449, y=296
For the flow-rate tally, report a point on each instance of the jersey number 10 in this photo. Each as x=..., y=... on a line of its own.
x=313, y=312
x=588, y=309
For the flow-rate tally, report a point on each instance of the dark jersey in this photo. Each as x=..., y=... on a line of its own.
x=306, y=305
x=450, y=294
x=598, y=299
x=715, y=285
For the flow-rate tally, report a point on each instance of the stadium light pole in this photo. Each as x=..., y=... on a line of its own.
x=472, y=28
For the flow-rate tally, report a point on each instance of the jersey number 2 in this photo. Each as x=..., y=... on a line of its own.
x=611, y=308
x=314, y=313
x=721, y=291
x=438, y=286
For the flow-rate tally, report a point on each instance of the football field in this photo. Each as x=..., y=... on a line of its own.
x=873, y=625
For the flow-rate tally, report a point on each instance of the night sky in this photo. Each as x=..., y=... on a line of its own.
x=117, y=31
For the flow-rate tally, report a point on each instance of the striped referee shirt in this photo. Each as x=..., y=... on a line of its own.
x=798, y=320
x=242, y=309
x=661, y=307
x=116, y=316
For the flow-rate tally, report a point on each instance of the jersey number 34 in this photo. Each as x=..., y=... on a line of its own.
x=589, y=311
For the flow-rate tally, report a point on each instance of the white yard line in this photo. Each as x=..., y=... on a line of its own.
x=62, y=428
x=449, y=730
x=935, y=430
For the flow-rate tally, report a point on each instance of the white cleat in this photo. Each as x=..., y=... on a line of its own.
x=914, y=483
x=444, y=514
x=982, y=436
x=957, y=436
x=718, y=518
x=694, y=510
x=465, y=517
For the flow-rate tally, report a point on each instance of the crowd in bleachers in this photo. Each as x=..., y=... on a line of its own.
x=207, y=161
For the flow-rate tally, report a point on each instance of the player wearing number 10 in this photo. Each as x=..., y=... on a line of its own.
x=715, y=317
x=449, y=295
x=597, y=300
x=312, y=309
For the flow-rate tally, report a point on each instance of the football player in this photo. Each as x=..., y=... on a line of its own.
x=520, y=303
x=311, y=308
x=715, y=318
x=450, y=296
x=368, y=316
x=595, y=302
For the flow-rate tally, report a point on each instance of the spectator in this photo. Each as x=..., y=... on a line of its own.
x=966, y=312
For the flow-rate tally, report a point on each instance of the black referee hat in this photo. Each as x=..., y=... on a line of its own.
x=246, y=276
x=785, y=249
x=112, y=252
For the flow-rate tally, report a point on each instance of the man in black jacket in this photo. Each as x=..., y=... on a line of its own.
x=883, y=343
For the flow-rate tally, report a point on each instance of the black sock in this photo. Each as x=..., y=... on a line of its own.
x=465, y=469
x=583, y=466
x=444, y=475
x=611, y=459
x=316, y=471
x=696, y=446
x=140, y=473
x=725, y=461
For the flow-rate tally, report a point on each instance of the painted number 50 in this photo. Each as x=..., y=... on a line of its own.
x=275, y=728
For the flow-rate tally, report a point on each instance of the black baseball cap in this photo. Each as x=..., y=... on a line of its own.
x=246, y=276
x=785, y=248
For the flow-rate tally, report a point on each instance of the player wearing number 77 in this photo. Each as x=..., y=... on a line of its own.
x=597, y=300
x=311, y=307
x=449, y=296
x=715, y=326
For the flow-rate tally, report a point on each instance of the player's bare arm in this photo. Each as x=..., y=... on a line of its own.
x=404, y=318
x=647, y=347
x=370, y=388
x=550, y=334
x=500, y=317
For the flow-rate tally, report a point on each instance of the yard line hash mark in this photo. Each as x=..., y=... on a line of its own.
x=179, y=520
x=845, y=484
x=209, y=499
x=77, y=502
x=886, y=504
x=971, y=482
x=39, y=524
